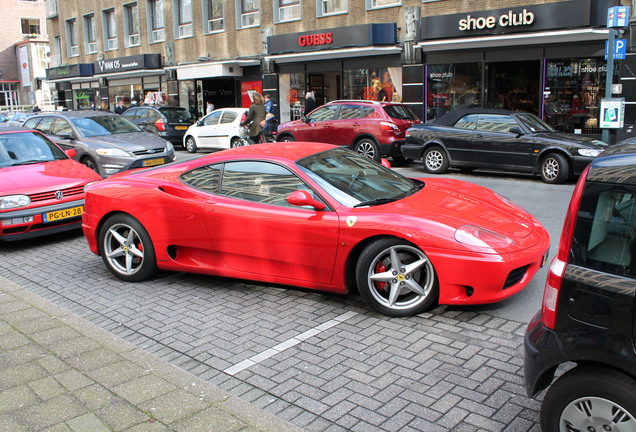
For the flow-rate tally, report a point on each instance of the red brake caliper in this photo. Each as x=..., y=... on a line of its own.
x=380, y=268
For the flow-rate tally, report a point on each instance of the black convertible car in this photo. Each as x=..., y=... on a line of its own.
x=502, y=140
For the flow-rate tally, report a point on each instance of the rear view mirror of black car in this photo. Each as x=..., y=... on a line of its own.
x=516, y=130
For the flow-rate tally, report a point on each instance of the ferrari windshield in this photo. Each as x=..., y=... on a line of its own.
x=104, y=125
x=356, y=181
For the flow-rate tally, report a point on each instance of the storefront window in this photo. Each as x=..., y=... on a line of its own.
x=452, y=87
x=572, y=94
x=128, y=92
x=292, y=100
x=381, y=84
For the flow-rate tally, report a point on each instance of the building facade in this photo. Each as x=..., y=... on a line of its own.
x=545, y=57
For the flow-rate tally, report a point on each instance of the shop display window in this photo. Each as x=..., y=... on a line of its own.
x=451, y=87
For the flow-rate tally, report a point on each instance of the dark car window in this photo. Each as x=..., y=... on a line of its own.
x=467, y=122
x=205, y=178
x=176, y=114
x=324, y=113
x=495, y=123
x=61, y=127
x=31, y=123
x=349, y=112
x=228, y=117
x=605, y=233
x=45, y=125
x=152, y=115
x=212, y=118
x=104, y=125
x=534, y=123
x=133, y=113
x=261, y=182
x=400, y=112
x=25, y=147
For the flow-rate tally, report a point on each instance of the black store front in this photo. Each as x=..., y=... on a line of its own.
x=546, y=59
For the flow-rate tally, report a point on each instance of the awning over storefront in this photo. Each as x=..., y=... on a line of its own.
x=227, y=68
x=334, y=54
x=538, y=38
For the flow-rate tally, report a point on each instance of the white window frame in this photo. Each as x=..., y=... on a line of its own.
x=155, y=33
x=321, y=6
x=71, y=37
x=281, y=7
x=183, y=20
x=31, y=19
x=208, y=21
x=131, y=38
x=56, y=55
x=248, y=18
x=109, y=25
x=90, y=33
x=382, y=4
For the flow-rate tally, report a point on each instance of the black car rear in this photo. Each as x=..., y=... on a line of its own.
x=169, y=122
x=587, y=317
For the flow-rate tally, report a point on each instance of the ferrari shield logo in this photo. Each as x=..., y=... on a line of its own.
x=351, y=220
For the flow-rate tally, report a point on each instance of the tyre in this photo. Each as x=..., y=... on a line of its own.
x=89, y=162
x=554, y=168
x=238, y=142
x=435, y=160
x=126, y=249
x=191, y=144
x=396, y=278
x=590, y=399
x=367, y=147
x=286, y=138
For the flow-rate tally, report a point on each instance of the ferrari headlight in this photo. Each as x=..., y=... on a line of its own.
x=480, y=237
x=14, y=201
x=590, y=152
x=112, y=152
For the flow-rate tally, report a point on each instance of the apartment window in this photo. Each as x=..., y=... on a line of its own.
x=56, y=56
x=71, y=37
x=30, y=26
x=155, y=21
x=183, y=18
x=110, y=29
x=332, y=7
x=131, y=24
x=51, y=8
x=378, y=4
x=286, y=10
x=90, y=39
x=248, y=13
x=213, y=13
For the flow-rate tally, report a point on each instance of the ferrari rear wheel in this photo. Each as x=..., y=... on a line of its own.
x=126, y=249
x=396, y=278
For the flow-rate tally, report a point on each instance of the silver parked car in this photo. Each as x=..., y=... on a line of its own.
x=104, y=141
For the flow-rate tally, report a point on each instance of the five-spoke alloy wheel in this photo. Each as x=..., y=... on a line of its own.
x=396, y=278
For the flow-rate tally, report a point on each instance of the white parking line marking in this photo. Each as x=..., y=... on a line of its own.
x=245, y=364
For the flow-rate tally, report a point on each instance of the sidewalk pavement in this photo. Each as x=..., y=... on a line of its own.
x=59, y=372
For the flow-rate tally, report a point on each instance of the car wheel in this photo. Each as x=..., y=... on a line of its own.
x=554, y=168
x=590, y=399
x=239, y=142
x=89, y=162
x=401, y=160
x=367, y=147
x=126, y=249
x=191, y=145
x=286, y=138
x=396, y=278
x=435, y=160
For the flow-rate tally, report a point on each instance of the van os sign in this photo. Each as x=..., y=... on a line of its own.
x=509, y=19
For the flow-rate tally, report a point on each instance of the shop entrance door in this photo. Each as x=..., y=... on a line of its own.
x=326, y=86
x=514, y=85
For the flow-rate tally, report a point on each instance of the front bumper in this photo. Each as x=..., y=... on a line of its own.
x=28, y=223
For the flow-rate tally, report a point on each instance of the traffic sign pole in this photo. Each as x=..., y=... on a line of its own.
x=609, y=77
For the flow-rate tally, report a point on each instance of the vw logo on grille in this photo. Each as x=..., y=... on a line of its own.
x=59, y=195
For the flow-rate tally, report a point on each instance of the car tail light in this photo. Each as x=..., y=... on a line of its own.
x=160, y=125
x=389, y=126
x=554, y=279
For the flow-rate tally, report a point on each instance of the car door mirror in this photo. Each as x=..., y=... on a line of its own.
x=306, y=119
x=67, y=136
x=199, y=122
x=303, y=198
x=516, y=130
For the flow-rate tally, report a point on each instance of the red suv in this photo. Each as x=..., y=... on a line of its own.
x=374, y=129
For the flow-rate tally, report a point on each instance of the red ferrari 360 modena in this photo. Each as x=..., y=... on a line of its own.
x=316, y=216
x=41, y=187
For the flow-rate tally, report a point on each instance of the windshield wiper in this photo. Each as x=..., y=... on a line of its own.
x=28, y=162
x=376, y=201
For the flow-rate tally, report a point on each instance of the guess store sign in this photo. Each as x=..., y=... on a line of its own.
x=335, y=38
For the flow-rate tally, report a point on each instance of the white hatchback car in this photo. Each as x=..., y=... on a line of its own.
x=219, y=130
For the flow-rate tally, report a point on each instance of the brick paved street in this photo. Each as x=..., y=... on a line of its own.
x=322, y=362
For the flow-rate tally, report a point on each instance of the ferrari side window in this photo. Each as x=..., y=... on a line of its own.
x=261, y=182
x=205, y=178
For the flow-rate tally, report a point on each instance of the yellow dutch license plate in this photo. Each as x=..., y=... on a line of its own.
x=63, y=214
x=181, y=127
x=153, y=162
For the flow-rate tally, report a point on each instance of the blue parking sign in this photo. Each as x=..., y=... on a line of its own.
x=620, y=49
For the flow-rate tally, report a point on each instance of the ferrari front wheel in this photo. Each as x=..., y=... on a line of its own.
x=396, y=278
x=126, y=249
